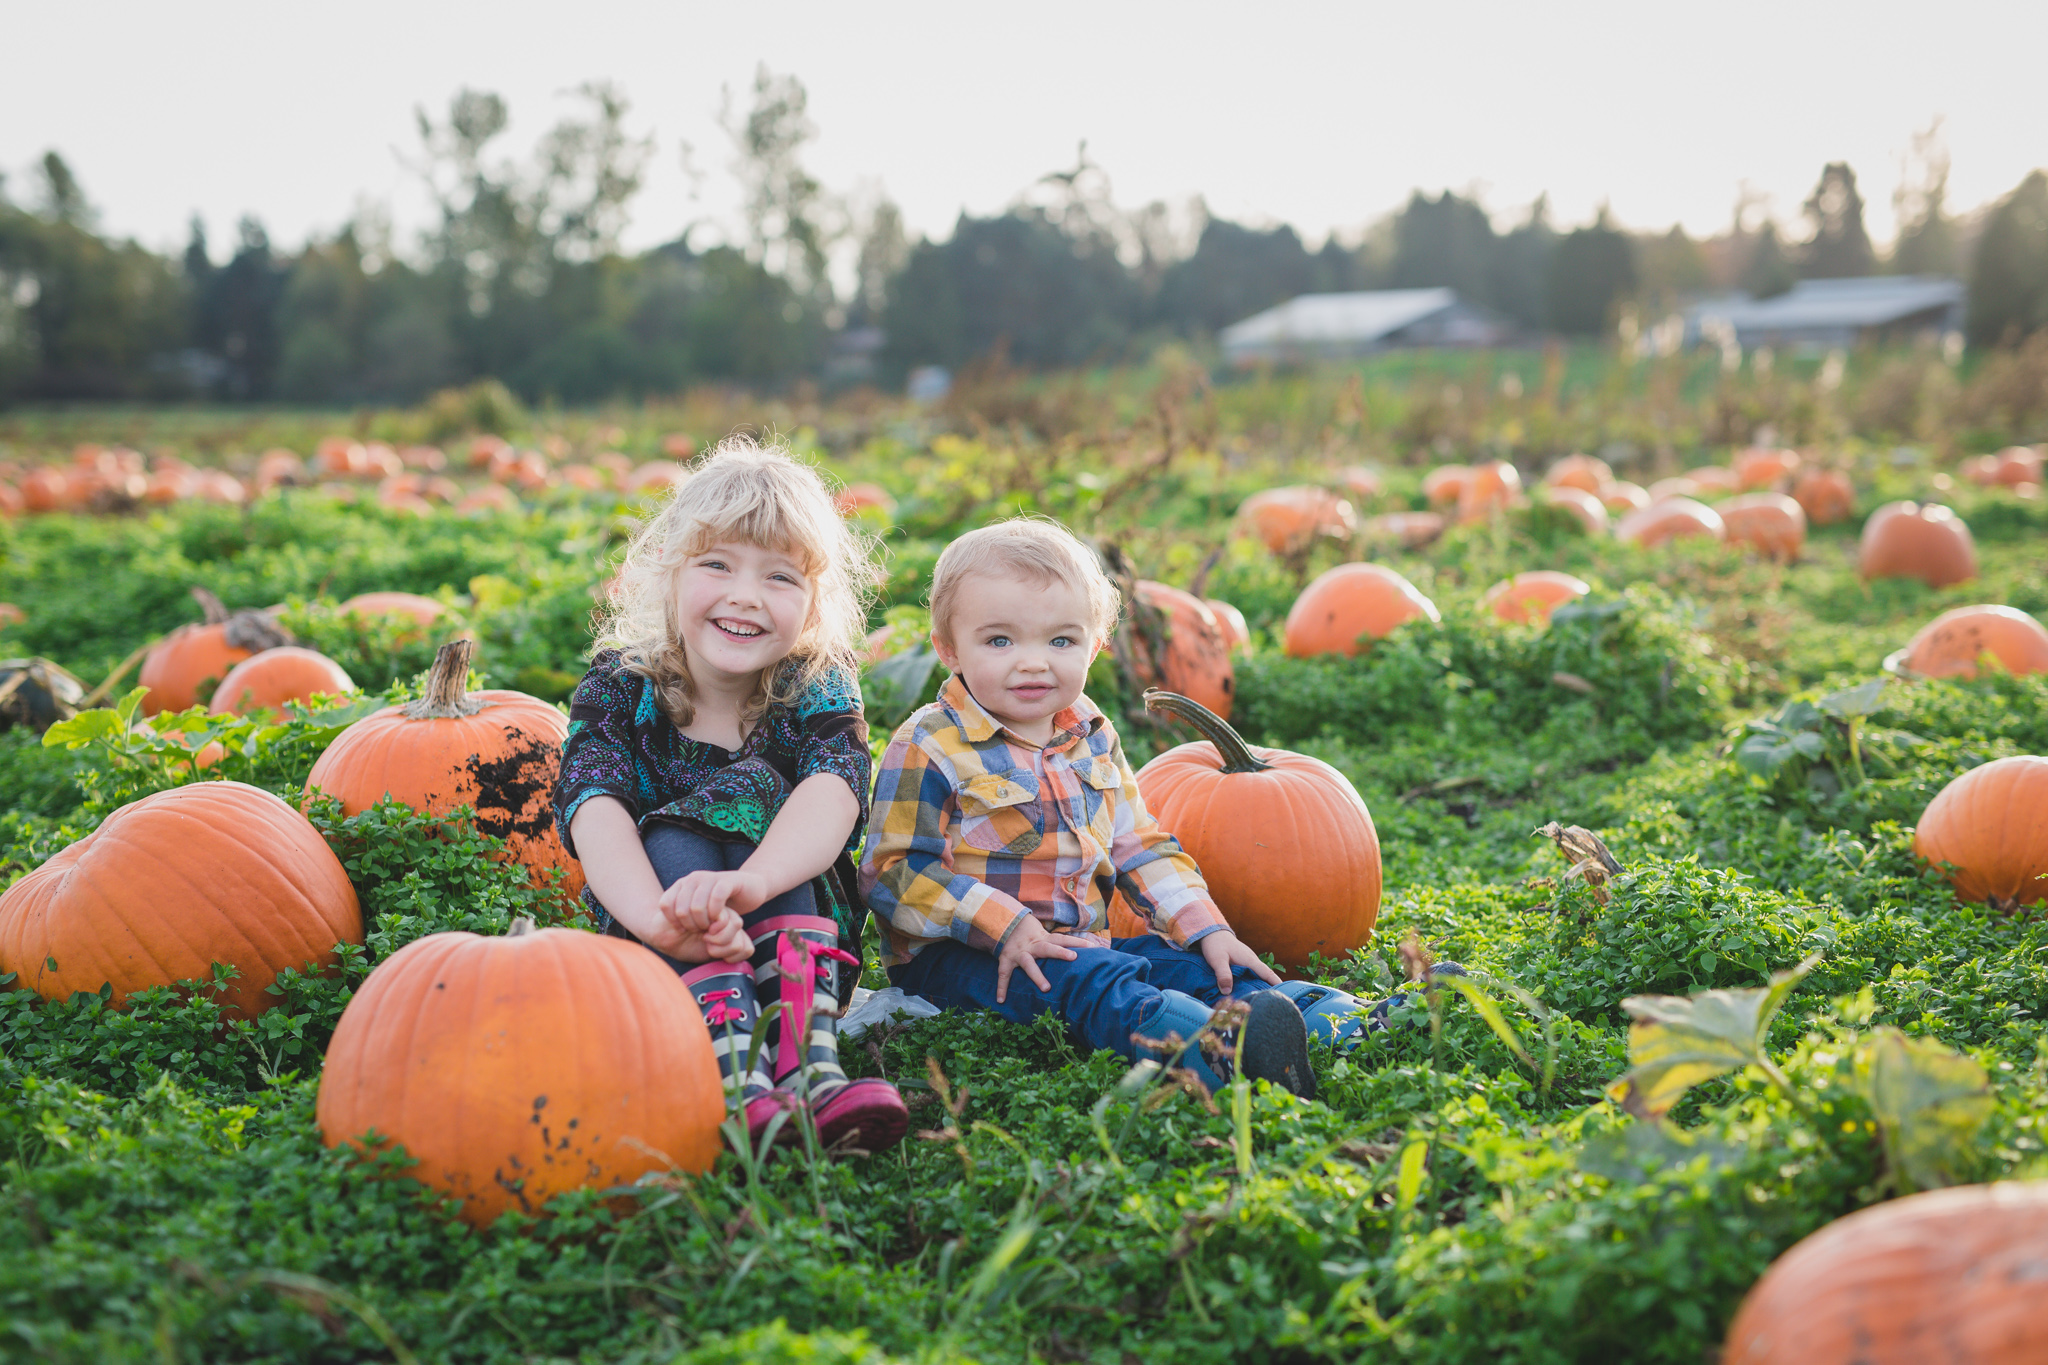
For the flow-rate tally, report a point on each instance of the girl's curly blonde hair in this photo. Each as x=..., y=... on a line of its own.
x=756, y=495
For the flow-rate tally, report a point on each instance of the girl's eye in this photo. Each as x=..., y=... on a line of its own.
x=711, y=564
x=1062, y=641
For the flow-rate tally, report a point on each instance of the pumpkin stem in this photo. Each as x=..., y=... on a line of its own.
x=522, y=925
x=1237, y=755
x=216, y=611
x=250, y=628
x=445, y=698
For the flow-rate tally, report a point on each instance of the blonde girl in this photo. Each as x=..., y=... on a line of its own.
x=715, y=780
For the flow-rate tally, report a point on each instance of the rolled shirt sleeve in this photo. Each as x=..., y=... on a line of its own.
x=1154, y=872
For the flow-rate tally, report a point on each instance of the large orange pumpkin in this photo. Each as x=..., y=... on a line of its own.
x=1671, y=518
x=1284, y=841
x=266, y=681
x=1350, y=601
x=185, y=667
x=1532, y=596
x=1992, y=825
x=1288, y=519
x=1953, y=643
x=497, y=752
x=1195, y=659
x=1770, y=523
x=1586, y=509
x=1908, y=540
x=1490, y=488
x=1826, y=495
x=1587, y=473
x=171, y=884
x=1949, y=1275
x=513, y=1069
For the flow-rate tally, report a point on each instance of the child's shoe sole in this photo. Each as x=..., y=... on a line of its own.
x=868, y=1114
x=1276, y=1044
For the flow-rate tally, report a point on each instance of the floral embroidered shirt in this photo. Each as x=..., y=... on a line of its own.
x=622, y=745
x=974, y=828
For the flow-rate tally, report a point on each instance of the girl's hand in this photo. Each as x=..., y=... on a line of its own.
x=1223, y=950
x=740, y=892
x=1028, y=942
x=700, y=934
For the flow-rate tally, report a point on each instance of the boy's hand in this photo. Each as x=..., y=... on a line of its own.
x=1223, y=950
x=1028, y=942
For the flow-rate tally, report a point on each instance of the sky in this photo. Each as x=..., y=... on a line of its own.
x=1324, y=116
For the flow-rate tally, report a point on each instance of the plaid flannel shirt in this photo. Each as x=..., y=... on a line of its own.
x=974, y=828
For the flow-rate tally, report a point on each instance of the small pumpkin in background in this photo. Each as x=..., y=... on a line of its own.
x=1955, y=643
x=1676, y=486
x=1947, y=1275
x=1194, y=653
x=656, y=479
x=1669, y=519
x=1362, y=483
x=1762, y=467
x=1445, y=484
x=1531, y=596
x=1770, y=523
x=1349, y=602
x=486, y=499
x=171, y=884
x=1623, y=497
x=266, y=681
x=2009, y=468
x=45, y=490
x=187, y=666
x=1284, y=841
x=859, y=497
x=1991, y=824
x=1588, y=511
x=515, y=1069
x=1714, y=479
x=1826, y=495
x=1412, y=530
x=1911, y=540
x=497, y=752
x=1287, y=520
x=1489, y=490
x=1235, y=627
x=424, y=611
x=1587, y=473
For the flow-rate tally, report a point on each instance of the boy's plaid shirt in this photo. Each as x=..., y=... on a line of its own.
x=974, y=828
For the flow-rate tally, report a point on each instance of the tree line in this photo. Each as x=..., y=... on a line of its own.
x=522, y=277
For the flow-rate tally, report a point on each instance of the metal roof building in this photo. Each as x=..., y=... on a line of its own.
x=1852, y=312
x=1323, y=326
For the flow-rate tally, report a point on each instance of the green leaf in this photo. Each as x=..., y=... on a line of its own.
x=1768, y=750
x=893, y=688
x=1408, y=1183
x=1930, y=1102
x=83, y=728
x=127, y=706
x=1627, y=1154
x=1489, y=1011
x=1860, y=700
x=1676, y=1042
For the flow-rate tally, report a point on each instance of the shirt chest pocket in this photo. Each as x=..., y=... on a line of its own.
x=1102, y=787
x=1001, y=815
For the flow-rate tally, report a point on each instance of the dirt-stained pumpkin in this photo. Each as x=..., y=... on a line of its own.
x=1991, y=824
x=1350, y=602
x=1232, y=620
x=514, y=1069
x=1913, y=540
x=1948, y=1275
x=1956, y=643
x=1193, y=653
x=1284, y=841
x=497, y=752
x=171, y=884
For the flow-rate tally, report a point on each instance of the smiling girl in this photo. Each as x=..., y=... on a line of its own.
x=715, y=779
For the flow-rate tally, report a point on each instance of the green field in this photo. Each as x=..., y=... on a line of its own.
x=166, y=1195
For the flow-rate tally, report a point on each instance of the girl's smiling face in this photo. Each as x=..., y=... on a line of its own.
x=1023, y=649
x=740, y=609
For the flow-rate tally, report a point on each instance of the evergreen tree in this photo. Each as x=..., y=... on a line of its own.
x=1447, y=240
x=1591, y=272
x=1237, y=271
x=1840, y=246
x=2009, y=274
x=1927, y=235
x=1769, y=273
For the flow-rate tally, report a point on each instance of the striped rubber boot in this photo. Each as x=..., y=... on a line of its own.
x=796, y=963
x=725, y=994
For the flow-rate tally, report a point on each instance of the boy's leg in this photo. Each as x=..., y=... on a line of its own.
x=1102, y=994
x=1178, y=969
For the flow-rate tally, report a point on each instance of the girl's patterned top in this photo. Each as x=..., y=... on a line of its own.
x=622, y=745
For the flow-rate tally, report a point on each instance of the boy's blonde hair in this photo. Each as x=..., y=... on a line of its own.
x=741, y=491
x=1037, y=549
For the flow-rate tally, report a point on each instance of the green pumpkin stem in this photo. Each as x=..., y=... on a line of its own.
x=1237, y=755
x=446, y=696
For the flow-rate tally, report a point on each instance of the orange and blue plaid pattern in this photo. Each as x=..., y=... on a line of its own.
x=973, y=828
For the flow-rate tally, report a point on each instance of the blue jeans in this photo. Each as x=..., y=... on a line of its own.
x=676, y=852
x=1105, y=994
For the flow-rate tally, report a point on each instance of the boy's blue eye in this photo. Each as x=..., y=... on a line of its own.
x=997, y=641
x=1064, y=640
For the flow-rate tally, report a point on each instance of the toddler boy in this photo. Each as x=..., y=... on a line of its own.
x=1005, y=814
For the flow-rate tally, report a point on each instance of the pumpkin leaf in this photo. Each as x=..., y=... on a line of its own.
x=1675, y=1042
x=1929, y=1101
x=1633, y=1151
x=1771, y=747
x=83, y=728
x=893, y=688
x=1861, y=700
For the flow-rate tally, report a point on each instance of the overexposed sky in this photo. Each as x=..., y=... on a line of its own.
x=1321, y=115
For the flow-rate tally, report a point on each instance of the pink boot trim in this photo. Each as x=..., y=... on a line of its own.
x=868, y=1114
x=762, y=1109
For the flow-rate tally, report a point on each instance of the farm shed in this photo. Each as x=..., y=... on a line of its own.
x=1871, y=310
x=1322, y=326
